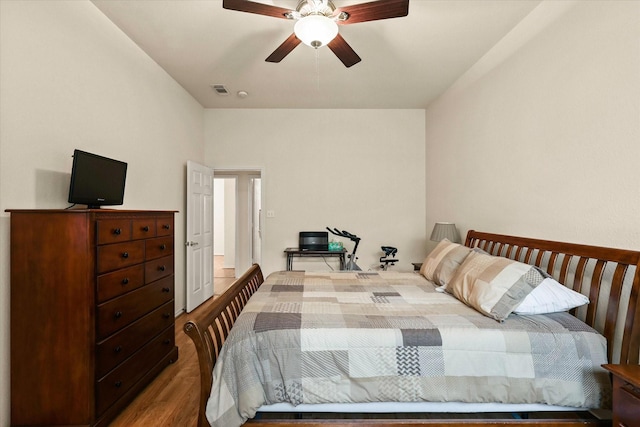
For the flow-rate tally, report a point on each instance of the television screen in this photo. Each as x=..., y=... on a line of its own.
x=96, y=181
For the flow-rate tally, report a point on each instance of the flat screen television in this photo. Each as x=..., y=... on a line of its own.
x=96, y=181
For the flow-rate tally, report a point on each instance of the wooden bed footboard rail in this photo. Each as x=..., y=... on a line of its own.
x=609, y=277
x=209, y=329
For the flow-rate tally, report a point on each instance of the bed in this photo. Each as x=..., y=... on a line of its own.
x=607, y=329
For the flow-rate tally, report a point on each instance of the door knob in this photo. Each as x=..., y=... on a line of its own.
x=191, y=244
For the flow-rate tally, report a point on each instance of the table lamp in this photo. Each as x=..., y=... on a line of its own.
x=445, y=230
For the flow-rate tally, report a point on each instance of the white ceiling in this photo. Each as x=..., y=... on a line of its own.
x=406, y=62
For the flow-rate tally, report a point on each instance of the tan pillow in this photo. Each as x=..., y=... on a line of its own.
x=493, y=285
x=443, y=261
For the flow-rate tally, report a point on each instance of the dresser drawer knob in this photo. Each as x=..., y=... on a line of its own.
x=166, y=289
x=118, y=314
x=166, y=341
x=162, y=268
x=166, y=315
x=118, y=384
x=125, y=281
x=145, y=228
x=125, y=255
x=117, y=231
x=163, y=247
x=166, y=226
x=118, y=349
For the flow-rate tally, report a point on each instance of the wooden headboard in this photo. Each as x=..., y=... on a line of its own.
x=609, y=277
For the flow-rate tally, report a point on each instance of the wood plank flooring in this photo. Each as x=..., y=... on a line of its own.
x=171, y=400
x=219, y=270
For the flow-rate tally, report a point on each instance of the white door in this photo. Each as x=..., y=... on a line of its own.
x=199, y=234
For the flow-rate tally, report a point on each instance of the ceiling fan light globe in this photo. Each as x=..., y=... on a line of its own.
x=316, y=30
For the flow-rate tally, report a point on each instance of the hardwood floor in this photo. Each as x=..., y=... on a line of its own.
x=171, y=400
x=221, y=275
x=219, y=270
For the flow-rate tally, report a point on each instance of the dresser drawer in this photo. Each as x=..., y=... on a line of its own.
x=158, y=268
x=113, y=230
x=626, y=403
x=117, y=382
x=118, y=255
x=119, y=312
x=158, y=247
x=164, y=226
x=143, y=228
x=123, y=344
x=118, y=282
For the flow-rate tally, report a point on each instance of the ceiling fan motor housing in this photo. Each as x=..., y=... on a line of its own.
x=315, y=7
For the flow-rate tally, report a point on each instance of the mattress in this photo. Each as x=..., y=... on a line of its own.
x=308, y=338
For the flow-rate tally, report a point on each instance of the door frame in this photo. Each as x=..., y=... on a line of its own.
x=248, y=172
x=255, y=224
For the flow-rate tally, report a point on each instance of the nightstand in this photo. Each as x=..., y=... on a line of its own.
x=626, y=394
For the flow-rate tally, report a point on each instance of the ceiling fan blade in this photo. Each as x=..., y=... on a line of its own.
x=284, y=49
x=374, y=10
x=343, y=51
x=253, y=7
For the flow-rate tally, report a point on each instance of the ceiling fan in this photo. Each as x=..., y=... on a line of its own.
x=317, y=23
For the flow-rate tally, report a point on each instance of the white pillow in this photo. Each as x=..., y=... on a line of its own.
x=550, y=297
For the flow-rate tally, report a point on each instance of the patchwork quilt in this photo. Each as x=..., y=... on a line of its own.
x=343, y=337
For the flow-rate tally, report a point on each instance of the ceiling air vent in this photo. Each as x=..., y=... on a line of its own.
x=220, y=90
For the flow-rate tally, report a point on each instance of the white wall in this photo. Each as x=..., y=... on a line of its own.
x=358, y=170
x=546, y=142
x=218, y=216
x=230, y=189
x=70, y=79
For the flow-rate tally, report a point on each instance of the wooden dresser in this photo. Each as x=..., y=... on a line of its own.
x=626, y=395
x=92, y=311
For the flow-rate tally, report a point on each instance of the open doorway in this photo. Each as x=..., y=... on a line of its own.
x=237, y=224
x=224, y=224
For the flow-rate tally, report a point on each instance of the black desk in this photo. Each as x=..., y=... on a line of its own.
x=293, y=252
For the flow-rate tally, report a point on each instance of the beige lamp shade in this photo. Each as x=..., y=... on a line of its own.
x=445, y=230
